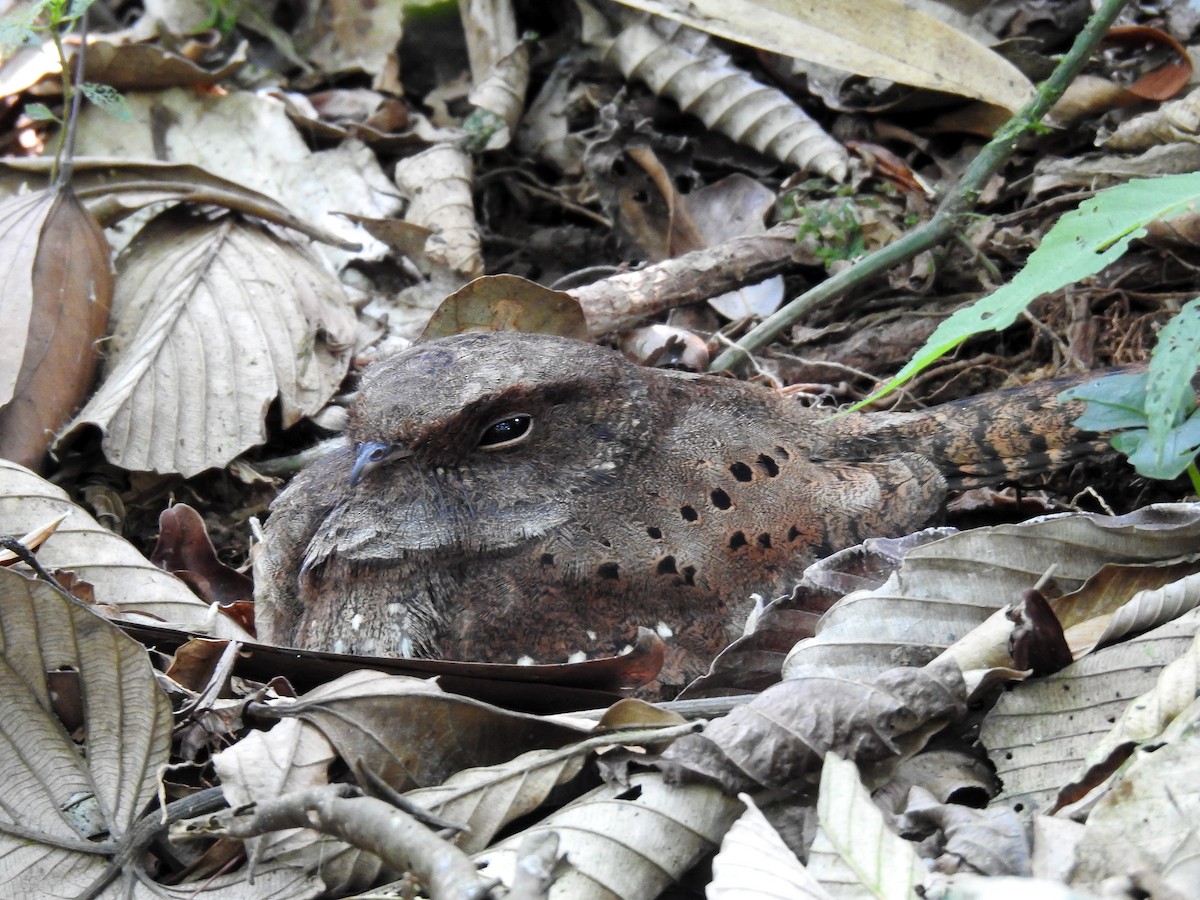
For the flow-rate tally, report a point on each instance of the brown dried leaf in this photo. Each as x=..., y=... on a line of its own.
x=185, y=550
x=150, y=67
x=55, y=265
x=411, y=734
x=779, y=738
x=113, y=189
x=214, y=320
x=507, y=303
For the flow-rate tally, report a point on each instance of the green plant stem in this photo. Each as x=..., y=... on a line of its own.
x=1194, y=474
x=72, y=103
x=958, y=203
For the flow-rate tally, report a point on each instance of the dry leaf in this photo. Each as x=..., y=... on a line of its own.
x=507, y=303
x=874, y=38
x=629, y=841
x=683, y=64
x=1039, y=735
x=75, y=806
x=754, y=863
x=778, y=739
x=855, y=853
x=214, y=320
x=292, y=756
x=411, y=734
x=122, y=577
x=437, y=184
x=55, y=264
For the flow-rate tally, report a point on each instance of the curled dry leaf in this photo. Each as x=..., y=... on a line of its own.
x=58, y=288
x=1148, y=821
x=437, y=184
x=944, y=590
x=873, y=38
x=1144, y=719
x=113, y=189
x=122, y=577
x=411, y=734
x=499, y=70
x=149, y=67
x=184, y=549
x=682, y=63
x=626, y=841
x=778, y=739
x=74, y=806
x=214, y=320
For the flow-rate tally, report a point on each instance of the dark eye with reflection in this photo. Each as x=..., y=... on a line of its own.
x=506, y=432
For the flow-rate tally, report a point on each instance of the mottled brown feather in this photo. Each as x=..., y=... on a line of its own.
x=639, y=497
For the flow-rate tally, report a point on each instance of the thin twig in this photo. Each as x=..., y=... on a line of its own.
x=954, y=208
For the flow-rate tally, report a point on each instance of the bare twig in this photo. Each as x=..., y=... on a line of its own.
x=339, y=810
x=619, y=301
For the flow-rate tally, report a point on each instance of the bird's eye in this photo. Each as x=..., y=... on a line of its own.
x=506, y=432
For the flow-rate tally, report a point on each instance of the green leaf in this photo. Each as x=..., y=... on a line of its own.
x=1169, y=394
x=39, y=112
x=1165, y=459
x=1080, y=244
x=1114, y=402
x=108, y=98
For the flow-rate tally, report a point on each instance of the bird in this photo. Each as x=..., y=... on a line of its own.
x=509, y=497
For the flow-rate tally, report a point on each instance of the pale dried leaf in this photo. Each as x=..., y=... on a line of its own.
x=112, y=189
x=248, y=139
x=71, y=803
x=292, y=756
x=1175, y=120
x=214, y=320
x=754, y=862
x=1151, y=818
x=1039, y=734
x=345, y=38
x=855, y=853
x=1145, y=717
x=121, y=576
x=682, y=63
x=499, y=64
x=626, y=842
x=1118, y=614
x=486, y=799
x=874, y=38
x=21, y=221
x=946, y=589
x=437, y=184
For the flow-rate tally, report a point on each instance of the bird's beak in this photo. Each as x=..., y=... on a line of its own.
x=370, y=455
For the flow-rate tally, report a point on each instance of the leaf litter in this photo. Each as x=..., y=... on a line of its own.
x=227, y=332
